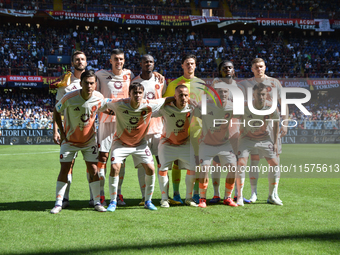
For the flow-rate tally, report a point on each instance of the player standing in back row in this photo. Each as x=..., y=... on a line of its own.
x=153, y=89
x=112, y=84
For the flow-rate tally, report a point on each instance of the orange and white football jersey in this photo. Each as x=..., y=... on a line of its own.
x=219, y=134
x=152, y=90
x=132, y=124
x=79, y=116
x=74, y=84
x=258, y=127
x=113, y=86
x=176, y=123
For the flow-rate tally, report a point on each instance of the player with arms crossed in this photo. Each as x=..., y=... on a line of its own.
x=133, y=119
x=192, y=83
x=175, y=144
x=255, y=134
x=70, y=82
x=153, y=89
x=79, y=134
x=259, y=68
x=215, y=142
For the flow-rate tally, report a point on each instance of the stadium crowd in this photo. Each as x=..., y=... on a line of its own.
x=307, y=56
x=31, y=110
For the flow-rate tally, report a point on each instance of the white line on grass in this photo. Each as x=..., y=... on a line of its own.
x=28, y=153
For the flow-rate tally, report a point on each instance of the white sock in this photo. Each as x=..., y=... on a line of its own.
x=254, y=175
x=113, y=187
x=141, y=179
x=60, y=191
x=189, y=182
x=88, y=179
x=95, y=188
x=121, y=177
x=240, y=178
x=150, y=186
x=273, y=182
x=276, y=194
x=102, y=177
x=67, y=191
x=216, y=178
x=163, y=181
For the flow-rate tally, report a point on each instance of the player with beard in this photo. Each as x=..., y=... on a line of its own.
x=68, y=83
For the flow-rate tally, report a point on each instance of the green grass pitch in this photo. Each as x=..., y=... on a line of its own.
x=307, y=223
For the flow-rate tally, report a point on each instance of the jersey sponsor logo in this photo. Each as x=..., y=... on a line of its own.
x=126, y=112
x=172, y=115
x=179, y=123
x=133, y=120
x=157, y=86
x=227, y=115
x=84, y=117
x=150, y=95
x=117, y=85
x=76, y=109
x=109, y=77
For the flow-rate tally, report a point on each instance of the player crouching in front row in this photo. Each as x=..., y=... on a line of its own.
x=79, y=134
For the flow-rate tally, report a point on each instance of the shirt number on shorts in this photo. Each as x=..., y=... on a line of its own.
x=95, y=149
x=148, y=152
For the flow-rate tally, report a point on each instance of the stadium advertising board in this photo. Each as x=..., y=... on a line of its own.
x=26, y=136
x=296, y=23
x=24, y=81
x=312, y=136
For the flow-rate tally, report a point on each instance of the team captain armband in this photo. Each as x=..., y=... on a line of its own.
x=62, y=83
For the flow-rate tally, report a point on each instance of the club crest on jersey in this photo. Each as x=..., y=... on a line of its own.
x=227, y=115
x=124, y=77
x=143, y=113
x=84, y=117
x=117, y=85
x=269, y=89
x=133, y=120
x=113, y=158
x=188, y=114
x=192, y=96
x=61, y=156
x=150, y=95
x=94, y=108
x=266, y=117
x=270, y=146
x=201, y=161
x=157, y=86
x=179, y=123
